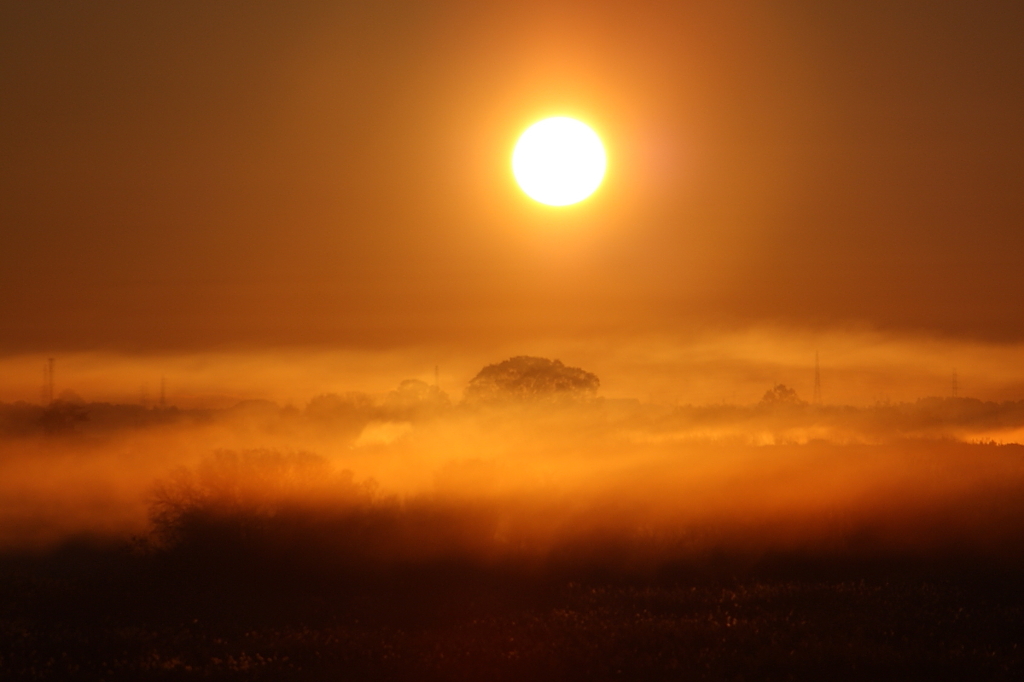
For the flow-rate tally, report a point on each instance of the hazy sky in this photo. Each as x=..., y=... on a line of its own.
x=194, y=175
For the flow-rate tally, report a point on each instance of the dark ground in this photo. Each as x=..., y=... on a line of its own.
x=117, y=614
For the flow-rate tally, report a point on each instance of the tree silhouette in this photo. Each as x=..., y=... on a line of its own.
x=530, y=379
x=415, y=398
x=781, y=395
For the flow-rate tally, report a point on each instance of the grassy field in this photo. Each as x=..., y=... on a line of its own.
x=116, y=614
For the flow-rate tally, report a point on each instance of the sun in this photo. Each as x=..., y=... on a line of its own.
x=559, y=161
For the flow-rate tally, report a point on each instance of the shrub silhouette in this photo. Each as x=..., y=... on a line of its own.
x=247, y=490
x=267, y=513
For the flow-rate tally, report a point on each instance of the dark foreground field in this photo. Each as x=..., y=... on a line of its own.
x=795, y=562
x=118, y=614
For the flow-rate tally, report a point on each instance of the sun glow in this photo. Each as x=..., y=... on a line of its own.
x=559, y=161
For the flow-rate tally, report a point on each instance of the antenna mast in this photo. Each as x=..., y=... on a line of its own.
x=48, y=381
x=817, y=380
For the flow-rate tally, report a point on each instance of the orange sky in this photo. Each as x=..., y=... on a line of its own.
x=190, y=176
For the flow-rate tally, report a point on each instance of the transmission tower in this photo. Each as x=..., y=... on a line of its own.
x=817, y=380
x=48, y=381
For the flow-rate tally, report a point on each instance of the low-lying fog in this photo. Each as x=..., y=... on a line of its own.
x=532, y=464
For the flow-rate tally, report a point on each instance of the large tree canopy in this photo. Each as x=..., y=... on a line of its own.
x=525, y=378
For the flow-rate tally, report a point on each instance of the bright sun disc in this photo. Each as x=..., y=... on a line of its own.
x=559, y=161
